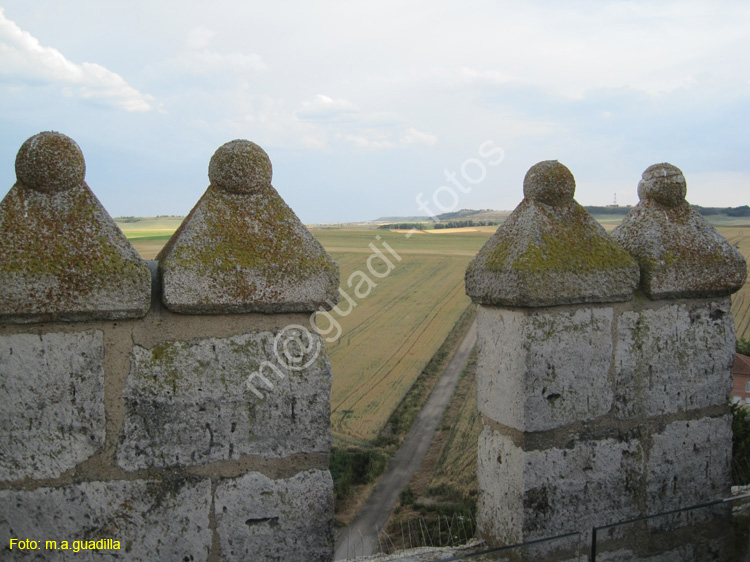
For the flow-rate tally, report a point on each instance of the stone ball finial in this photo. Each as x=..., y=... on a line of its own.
x=663, y=183
x=549, y=182
x=50, y=162
x=240, y=166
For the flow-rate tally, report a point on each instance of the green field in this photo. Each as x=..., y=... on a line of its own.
x=149, y=235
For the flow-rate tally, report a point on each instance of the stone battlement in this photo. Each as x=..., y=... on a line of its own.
x=604, y=364
x=179, y=409
x=180, y=406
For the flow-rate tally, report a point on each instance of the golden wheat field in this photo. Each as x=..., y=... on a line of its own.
x=390, y=335
x=739, y=236
x=392, y=331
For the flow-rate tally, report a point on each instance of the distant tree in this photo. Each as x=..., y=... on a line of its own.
x=743, y=211
x=743, y=346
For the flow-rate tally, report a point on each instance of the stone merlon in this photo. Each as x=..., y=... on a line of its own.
x=679, y=253
x=62, y=257
x=242, y=249
x=550, y=251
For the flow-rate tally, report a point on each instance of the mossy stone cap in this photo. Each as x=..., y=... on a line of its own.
x=663, y=183
x=62, y=257
x=50, y=162
x=679, y=253
x=550, y=251
x=242, y=249
x=549, y=182
x=240, y=166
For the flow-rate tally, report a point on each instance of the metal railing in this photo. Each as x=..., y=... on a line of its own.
x=574, y=540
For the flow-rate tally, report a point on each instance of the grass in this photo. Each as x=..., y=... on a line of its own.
x=357, y=465
x=445, y=488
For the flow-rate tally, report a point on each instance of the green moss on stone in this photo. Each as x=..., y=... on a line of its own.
x=61, y=236
x=572, y=243
x=255, y=233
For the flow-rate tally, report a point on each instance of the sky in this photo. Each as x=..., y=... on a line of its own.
x=387, y=108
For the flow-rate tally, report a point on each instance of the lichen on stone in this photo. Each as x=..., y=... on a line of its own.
x=50, y=162
x=62, y=257
x=679, y=253
x=550, y=251
x=242, y=250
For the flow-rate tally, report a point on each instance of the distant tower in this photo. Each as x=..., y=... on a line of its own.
x=614, y=204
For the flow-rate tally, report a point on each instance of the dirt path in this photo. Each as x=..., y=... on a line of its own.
x=361, y=537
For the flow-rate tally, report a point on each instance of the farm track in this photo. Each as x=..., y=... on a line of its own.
x=360, y=538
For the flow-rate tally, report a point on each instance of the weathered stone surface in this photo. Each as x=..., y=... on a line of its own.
x=679, y=253
x=262, y=519
x=689, y=463
x=153, y=520
x=677, y=357
x=62, y=257
x=541, y=370
x=50, y=162
x=550, y=251
x=242, y=249
x=189, y=402
x=52, y=416
x=533, y=494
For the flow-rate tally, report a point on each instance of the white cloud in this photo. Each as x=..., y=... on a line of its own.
x=367, y=130
x=412, y=136
x=361, y=141
x=199, y=37
x=323, y=107
x=204, y=61
x=491, y=76
x=199, y=59
x=24, y=59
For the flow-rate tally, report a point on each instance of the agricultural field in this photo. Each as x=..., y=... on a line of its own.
x=392, y=333
x=389, y=334
x=739, y=236
x=149, y=235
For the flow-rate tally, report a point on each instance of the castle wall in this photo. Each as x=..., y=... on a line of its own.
x=604, y=363
x=196, y=434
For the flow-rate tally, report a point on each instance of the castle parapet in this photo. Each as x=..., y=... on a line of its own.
x=604, y=364
x=170, y=410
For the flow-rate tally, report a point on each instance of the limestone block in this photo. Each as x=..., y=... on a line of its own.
x=62, y=257
x=679, y=253
x=674, y=358
x=686, y=453
x=262, y=519
x=541, y=493
x=52, y=416
x=152, y=520
x=188, y=402
x=550, y=251
x=242, y=249
x=542, y=370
